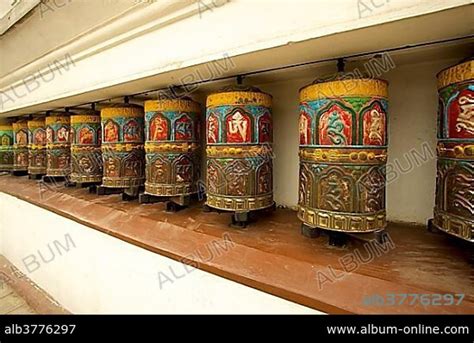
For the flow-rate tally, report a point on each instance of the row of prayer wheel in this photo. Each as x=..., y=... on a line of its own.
x=343, y=150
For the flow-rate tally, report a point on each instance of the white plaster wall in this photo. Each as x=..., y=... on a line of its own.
x=101, y=274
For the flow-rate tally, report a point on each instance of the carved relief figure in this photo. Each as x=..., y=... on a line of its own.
x=161, y=171
x=112, y=167
x=5, y=140
x=86, y=136
x=159, y=128
x=305, y=128
x=183, y=170
x=85, y=165
x=238, y=128
x=111, y=132
x=212, y=129
x=40, y=137
x=63, y=134
x=49, y=134
x=63, y=161
x=460, y=183
x=461, y=116
x=264, y=179
x=21, y=138
x=265, y=128
x=374, y=126
x=335, y=192
x=183, y=128
x=132, y=166
x=335, y=127
x=21, y=159
x=372, y=187
x=237, y=174
x=131, y=131
x=213, y=178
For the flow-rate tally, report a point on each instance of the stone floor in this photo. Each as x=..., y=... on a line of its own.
x=11, y=302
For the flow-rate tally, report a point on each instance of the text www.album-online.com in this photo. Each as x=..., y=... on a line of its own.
x=420, y=329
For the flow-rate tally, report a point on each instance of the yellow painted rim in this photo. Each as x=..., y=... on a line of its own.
x=239, y=98
x=345, y=88
x=458, y=73
x=172, y=105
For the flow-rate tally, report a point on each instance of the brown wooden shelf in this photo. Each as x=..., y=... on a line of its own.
x=271, y=255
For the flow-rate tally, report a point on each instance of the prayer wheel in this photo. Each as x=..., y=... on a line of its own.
x=6, y=147
x=239, y=149
x=37, y=146
x=172, y=130
x=58, y=147
x=20, y=146
x=343, y=151
x=122, y=146
x=454, y=204
x=86, y=155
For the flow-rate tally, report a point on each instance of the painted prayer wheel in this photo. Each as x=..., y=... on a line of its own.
x=454, y=205
x=172, y=130
x=20, y=146
x=58, y=147
x=122, y=146
x=239, y=149
x=86, y=155
x=6, y=147
x=37, y=146
x=343, y=151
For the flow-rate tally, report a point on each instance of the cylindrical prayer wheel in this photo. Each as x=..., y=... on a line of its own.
x=20, y=145
x=172, y=147
x=454, y=205
x=6, y=147
x=37, y=146
x=58, y=147
x=86, y=155
x=239, y=149
x=122, y=146
x=343, y=151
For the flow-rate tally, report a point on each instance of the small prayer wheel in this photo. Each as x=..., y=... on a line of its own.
x=239, y=149
x=123, y=152
x=6, y=147
x=86, y=154
x=172, y=129
x=454, y=204
x=37, y=146
x=20, y=146
x=343, y=151
x=58, y=147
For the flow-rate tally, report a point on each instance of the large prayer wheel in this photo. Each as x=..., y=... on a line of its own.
x=343, y=151
x=58, y=148
x=86, y=155
x=454, y=208
x=20, y=146
x=122, y=146
x=172, y=130
x=239, y=149
x=6, y=147
x=37, y=146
